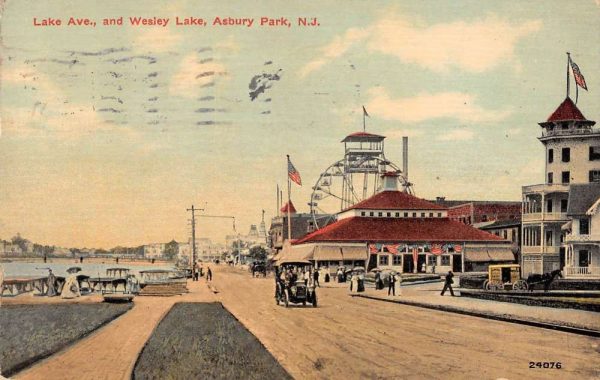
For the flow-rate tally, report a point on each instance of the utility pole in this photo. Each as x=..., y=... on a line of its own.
x=193, y=210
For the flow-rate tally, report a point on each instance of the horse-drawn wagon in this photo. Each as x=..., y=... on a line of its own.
x=504, y=277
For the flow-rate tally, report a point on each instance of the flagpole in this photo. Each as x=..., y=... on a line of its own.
x=568, y=76
x=364, y=120
x=289, y=201
x=277, y=204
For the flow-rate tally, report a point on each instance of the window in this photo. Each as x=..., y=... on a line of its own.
x=549, y=205
x=422, y=215
x=564, y=125
x=584, y=226
x=446, y=260
x=431, y=215
x=566, y=154
x=563, y=205
x=439, y=214
x=362, y=213
x=383, y=260
x=549, y=238
x=379, y=214
x=505, y=234
x=406, y=215
x=550, y=178
x=397, y=260
x=594, y=153
x=594, y=175
x=371, y=213
x=484, y=218
x=432, y=260
x=566, y=177
x=389, y=214
x=397, y=215
x=550, y=156
x=414, y=214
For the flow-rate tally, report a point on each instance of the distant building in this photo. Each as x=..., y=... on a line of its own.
x=154, y=250
x=473, y=212
x=9, y=249
x=572, y=152
x=302, y=225
x=582, y=240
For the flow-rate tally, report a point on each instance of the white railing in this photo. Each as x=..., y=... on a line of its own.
x=546, y=187
x=537, y=249
x=545, y=216
x=570, y=238
x=571, y=131
x=580, y=271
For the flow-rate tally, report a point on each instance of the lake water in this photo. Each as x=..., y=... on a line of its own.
x=21, y=269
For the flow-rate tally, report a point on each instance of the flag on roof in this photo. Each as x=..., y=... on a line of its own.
x=579, y=79
x=293, y=173
x=436, y=249
x=365, y=111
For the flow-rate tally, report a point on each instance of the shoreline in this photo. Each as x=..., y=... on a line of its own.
x=86, y=260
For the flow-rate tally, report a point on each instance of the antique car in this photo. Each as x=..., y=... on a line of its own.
x=288, y=291
x=258, y=268
x=504, y=277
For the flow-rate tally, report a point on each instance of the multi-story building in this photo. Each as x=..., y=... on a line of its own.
x=582, y=241
x=9, y=249
x=572, y=157
x=154, y=250
x=473, y=212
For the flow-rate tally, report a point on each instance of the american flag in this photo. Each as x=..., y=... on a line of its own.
x=579, y=79
x=293, y=173
x=373, y=248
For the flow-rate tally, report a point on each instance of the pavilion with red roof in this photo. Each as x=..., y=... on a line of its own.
x=399, y=231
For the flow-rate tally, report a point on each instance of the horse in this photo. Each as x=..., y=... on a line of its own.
x=546, y=278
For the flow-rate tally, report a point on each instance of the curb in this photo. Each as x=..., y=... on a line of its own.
x=527, y=322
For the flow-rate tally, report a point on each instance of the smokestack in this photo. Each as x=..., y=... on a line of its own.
x=405, y=156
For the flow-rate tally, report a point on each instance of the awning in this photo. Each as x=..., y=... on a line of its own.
x=328, y=253
x=296, y=253
x=354, y=253
x=487, y=254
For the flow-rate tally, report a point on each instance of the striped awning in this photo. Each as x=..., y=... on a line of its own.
x=354, y=253
x=488, y=254
x=328, y=253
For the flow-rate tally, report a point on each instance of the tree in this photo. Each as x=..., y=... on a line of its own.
x=258, y=253
x=171, y=250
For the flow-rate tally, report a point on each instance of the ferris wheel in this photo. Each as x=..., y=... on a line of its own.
x=354, y=178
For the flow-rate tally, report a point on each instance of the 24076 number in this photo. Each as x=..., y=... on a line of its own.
x=546, y=365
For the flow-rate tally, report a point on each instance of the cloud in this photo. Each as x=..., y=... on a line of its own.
x=476, y=46
x=455, y=105
x=335, y=48
x=399, y=133
x=460, y=134
x=192, y=74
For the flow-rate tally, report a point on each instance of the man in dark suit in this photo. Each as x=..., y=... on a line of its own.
x=392, y=284
x=448, y=283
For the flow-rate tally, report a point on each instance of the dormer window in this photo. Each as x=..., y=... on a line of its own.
x=380, y=214
x=397, y=215
x=362, y=213
x=406, y=215
x=389, y=214
x=431, y=215
x=422, y=215
x=414, y=214
x=439, y=214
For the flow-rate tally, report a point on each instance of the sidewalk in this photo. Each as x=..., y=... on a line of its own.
x=110, y=352
x=428, y=295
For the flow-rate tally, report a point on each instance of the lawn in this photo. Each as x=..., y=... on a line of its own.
x=29, y=333
x=204, y=341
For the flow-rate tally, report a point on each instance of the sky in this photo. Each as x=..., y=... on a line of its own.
x=108, y=133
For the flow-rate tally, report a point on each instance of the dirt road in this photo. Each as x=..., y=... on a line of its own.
x=349, y=338
x=344, y=338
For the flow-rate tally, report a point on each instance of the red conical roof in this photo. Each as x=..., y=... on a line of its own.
x=284, y=209
x=395, y=200
x=566, y=111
